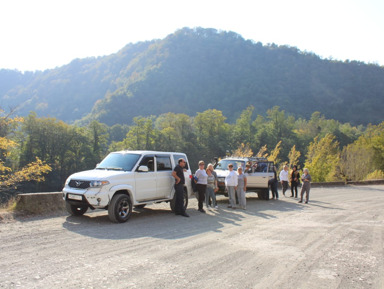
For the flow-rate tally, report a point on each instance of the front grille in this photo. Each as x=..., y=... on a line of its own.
x=78, y=184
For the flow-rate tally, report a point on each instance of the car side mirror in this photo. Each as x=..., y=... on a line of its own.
x=143, y=169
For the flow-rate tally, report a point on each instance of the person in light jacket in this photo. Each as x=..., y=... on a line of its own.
x=241, y=188
x=210, y=193
x=231, y=184
x=306, y=187
x=284, y=179
x=201, y=185
x=210, y=167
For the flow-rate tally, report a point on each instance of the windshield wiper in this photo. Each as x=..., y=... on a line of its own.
x=110, y=168
x=114, y=168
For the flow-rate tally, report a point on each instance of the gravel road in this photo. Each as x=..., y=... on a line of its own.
x=335, y=241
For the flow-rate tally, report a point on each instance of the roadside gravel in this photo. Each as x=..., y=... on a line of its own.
x=335, y=241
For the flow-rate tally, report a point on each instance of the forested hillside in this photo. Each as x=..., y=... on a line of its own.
x=194, y=70
x=38, y=154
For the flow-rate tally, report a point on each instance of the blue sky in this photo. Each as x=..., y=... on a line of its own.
x=43, y=34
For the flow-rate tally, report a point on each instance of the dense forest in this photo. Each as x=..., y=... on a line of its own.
x=39, y=153
x=194, y=70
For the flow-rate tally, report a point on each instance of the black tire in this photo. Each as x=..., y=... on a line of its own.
x=120, y=208
x=263, y=195
x=185, y=199
x=140, y=206
x=75, y=210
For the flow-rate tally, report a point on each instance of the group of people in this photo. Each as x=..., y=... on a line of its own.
x=206, y=184
x=236, y=183
x=294, y=178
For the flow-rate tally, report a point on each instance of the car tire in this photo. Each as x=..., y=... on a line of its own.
x=263, y=195
x=120, y=208
x=75, y=210
x=185, y=200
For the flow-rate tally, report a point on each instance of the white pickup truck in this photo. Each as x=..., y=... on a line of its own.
x=260, y=172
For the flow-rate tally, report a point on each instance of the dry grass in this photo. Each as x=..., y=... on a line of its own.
x=7, y=210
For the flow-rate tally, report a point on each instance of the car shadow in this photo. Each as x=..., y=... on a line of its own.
x=158, y=221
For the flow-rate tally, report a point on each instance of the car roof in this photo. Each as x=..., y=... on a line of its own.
x=146, y=152
x=244, y=159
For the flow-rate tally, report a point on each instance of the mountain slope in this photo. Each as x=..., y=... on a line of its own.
x=197, y=69
x=194, y=70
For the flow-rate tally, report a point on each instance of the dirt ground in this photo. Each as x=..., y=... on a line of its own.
x=335, y=241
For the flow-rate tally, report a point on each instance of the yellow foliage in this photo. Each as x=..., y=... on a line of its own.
x=323, y=159
x=262, y=152
x=6, y=144
x=243, y=151
x=293, y=156
x=274, y=154
x=376, y=175
x=32, y=172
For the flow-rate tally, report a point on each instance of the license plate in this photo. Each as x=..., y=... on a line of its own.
x=75, y=197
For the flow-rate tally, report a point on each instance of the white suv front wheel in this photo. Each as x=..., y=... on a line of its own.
x=120, y=208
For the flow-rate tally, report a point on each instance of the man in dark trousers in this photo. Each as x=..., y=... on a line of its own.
x=178, y=174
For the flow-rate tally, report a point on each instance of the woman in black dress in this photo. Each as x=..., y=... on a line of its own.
x=295, y=180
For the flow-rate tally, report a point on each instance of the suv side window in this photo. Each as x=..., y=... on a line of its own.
x=176, y=159
x=148, y=161
x=270, y=167
x=262, y=167
x=163, y=163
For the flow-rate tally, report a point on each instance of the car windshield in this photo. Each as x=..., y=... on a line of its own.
x=119, y=162
x=223, y=164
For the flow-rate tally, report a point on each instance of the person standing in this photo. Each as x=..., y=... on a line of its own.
x=201, y=184
x=248, y=169
x=284, y=179
x=231, y=184
x=241, y=188
x=295, y=181
x=211, y=190
x=272, y=183
x=307, y=179
x=178, y=174
x=210, y=167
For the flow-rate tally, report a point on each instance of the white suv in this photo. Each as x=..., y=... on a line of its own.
x=260, y=173
x=125, y=179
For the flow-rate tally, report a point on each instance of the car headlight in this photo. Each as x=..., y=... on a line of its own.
x=93, y=184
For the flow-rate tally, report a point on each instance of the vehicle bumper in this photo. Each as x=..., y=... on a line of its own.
x=93, y=198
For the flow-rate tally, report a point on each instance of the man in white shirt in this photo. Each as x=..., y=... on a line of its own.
x=284, y=178
x=231, y=184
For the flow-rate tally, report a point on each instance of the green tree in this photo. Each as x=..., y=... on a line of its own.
x=65, y=148
x=99, y=138
x=275, y=128
x=12, y=177
x=243, y=131
x=365, y=156
x=176, y=132
x=323, y=159
x=141, y=135
x=212, y=133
